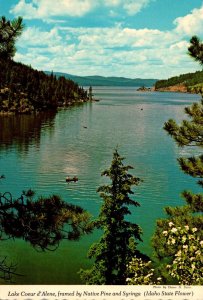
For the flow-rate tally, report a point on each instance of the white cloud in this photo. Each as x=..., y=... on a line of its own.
x=33, y=36
x=47, y=9
x=133, y=7
x=25, y=9
x=109, y=51
x=48, y=44
x=118, y=37
x=190, y=24
x=37, y=61
x=112, y=2
x=105, y=51
x=182, y=45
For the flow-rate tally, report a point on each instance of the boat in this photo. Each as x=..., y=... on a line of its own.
x=71, y=179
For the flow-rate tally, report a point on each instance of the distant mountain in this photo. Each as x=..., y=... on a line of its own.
x=106, y=81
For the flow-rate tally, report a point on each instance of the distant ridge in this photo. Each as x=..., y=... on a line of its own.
x=106, y=81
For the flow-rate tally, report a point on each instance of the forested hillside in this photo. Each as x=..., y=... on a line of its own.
x=23, y=89
x=189, y=80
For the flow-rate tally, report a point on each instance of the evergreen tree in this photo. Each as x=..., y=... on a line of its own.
x=9, y=32
x=189, y=133
x=189, y=217
x=24, y=90
x=195, y=49
x=90, y=95
x=118, y=243
x=43, y=222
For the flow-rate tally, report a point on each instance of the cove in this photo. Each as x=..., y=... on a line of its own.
x=40, y=151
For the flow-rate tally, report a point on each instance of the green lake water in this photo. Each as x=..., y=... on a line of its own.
x=40, y=151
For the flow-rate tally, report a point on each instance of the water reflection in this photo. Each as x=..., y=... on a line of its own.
x=80, y=142
x=23, y=130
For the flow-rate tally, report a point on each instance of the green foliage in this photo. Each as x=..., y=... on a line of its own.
x=24, y=90
x=187, y=262
x=117, y=246
x=43, y=223
x=9, y=32
x=178, y=239
x=141, y=272
x=90, y=95
x=195, y=49
x=189, y=133
x=178, y=216
x=193, y=81
x=196, y=88
x=189, y=79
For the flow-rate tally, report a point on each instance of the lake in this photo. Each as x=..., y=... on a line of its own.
x=40, y=151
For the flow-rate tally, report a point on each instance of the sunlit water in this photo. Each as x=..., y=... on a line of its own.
x=38, y=152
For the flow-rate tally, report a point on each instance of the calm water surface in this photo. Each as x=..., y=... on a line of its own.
x=39, y=151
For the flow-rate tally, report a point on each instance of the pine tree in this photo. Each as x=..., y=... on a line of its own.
x=188, y=217
x=195, y=49
x=90, y=95
x=42, y=222
x=9, y=32
x=188, y=134
x=118, y=243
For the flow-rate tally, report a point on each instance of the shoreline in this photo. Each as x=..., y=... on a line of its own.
x=35, y=111
x=180, y=88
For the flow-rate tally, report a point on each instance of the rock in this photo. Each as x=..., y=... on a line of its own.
x=144, y=89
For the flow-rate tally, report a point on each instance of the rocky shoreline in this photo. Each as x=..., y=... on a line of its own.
x=178, y=88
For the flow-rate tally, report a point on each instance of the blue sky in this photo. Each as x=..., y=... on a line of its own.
x=130, y=38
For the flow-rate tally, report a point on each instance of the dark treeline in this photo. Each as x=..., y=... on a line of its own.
x=189, y=80
x=24, y=90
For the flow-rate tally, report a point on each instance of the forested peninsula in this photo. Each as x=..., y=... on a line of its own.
x=190, y=82
x=182, y=83
x=25, y=90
